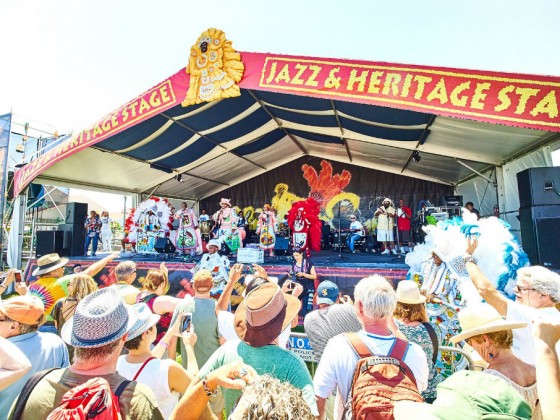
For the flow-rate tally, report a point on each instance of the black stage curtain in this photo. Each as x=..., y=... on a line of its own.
x=337, y=186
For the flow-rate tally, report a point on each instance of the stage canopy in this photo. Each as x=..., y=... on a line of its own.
x=435, y=124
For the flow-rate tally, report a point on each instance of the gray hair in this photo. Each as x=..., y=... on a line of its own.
x=542, y=279
x=268, y=398
x=377, y=296
x=124, y=270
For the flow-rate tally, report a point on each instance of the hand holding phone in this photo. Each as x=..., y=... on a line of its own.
x=17, y=276
x=186, y=322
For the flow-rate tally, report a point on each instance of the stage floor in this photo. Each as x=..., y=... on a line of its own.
x=345, y=270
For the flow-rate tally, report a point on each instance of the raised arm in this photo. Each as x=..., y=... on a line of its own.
x=97, y=266
x=234, y=276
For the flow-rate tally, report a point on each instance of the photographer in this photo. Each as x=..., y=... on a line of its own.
x=303, y=272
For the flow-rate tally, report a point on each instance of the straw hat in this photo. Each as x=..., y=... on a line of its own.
x=264, y=314
x=101, y=318
x=408, y=292
x=145, y=320
x=225, y=201
x=482, y=319
x=48, y=263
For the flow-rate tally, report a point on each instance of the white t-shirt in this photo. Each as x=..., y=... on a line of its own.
x=357, y=225
x=338, y=363
x=523, y=344
x=156, y=375
x=227, y=329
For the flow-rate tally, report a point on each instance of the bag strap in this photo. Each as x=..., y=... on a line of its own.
x=433, y=337
x=26, y=392
x=398, y=352
x=358, y=345
x=142, y=368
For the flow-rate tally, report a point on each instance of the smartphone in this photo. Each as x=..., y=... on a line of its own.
x=186, y=322
x=17, y=276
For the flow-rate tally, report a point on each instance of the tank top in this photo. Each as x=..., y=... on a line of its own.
x=155, y=375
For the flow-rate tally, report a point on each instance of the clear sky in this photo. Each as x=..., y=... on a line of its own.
x=66, y=63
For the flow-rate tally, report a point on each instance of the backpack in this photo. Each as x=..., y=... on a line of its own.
x=379, y=381
x=91, y=400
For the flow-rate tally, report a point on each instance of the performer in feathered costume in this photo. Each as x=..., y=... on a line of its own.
x=188, y=237
x=267, y=228
x=227, y=226
x=303, y=219
x=438, y=265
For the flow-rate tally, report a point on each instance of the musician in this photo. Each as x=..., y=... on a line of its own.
x=385, y=224
x=305, y=274
x=404, y=214
x=227, y=222
x=267, y=228
x=356, y=231
x=203, y=216
x=242, y=226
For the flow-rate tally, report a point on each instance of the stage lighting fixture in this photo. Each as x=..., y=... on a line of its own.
x=179, y=178
x=416, y=156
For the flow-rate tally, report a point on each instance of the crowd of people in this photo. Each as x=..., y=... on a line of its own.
x=64, y=339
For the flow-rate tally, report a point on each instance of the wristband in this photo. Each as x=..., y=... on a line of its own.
x=469, y=259
x=207, y=390
x=164, y=344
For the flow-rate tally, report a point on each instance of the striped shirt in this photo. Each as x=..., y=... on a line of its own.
x=323, y=324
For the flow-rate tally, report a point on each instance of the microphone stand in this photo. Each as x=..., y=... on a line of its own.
x=340, y=256
x=399, y=256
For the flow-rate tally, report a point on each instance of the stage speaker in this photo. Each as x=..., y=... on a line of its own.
x=281, y=246
x=537, y=242
x=164, y=246
x=74, y=239
x=76, y=213
x=49, y=242
x=539, y=187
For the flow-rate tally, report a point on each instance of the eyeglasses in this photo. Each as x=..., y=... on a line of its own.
x=352, y=218
x=518, y=289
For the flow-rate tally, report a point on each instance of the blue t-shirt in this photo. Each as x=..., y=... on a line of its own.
x=44, y=351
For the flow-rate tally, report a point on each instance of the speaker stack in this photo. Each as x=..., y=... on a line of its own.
x=539, y=214
x=49, y=242
x=74, y=229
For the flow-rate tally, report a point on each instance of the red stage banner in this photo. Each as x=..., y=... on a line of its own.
x=501, y=98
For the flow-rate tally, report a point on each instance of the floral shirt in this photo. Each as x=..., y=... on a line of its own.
x=93, y=225
x=420, y=336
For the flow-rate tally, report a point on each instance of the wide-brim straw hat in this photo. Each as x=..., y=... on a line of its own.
x=225, y=201
x=145, y=319
x=482, y=319
x=48, y=263
x=264, y=314
x=101, y=318
x=408, y=292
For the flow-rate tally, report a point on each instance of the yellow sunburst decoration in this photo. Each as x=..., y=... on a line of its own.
x=215, y=69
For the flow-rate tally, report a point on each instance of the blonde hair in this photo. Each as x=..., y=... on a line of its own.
x=411, y=312
x=81, y=286
x=502, y=339
x=154, y=279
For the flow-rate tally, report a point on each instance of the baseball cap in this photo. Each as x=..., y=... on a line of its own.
x=203, y=281
x=23, y=309
x=327, y=292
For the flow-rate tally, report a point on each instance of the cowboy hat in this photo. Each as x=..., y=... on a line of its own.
x=225, y=201
x=408, y=292
x=145, y=319
x=264, y=314
x=101, y=318
x=482, y=319
x=48, y=263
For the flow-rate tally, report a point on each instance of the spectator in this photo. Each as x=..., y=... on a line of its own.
x=6, y=281
x=97, y=331
x=13, y=363
x=330, y=319
x=470, y=207
x=165, y=377
x=375, y=303
x=537, y=291
x=468, y=395
x=259, y=320
x=412, y=320
x=269, y=398
x=205, y=321
x=125, y=272
x=156, y=285
x=52, y=284
x=547, y=340
x=79, y=287
x=77, y=268
x=491, y=336
x=20, y=318
x=305, y=274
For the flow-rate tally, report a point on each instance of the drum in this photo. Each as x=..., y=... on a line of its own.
x=205, y=227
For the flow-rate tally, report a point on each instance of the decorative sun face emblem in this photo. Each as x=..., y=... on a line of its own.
x=324, y=292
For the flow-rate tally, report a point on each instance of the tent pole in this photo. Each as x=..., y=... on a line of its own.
x=476, y=172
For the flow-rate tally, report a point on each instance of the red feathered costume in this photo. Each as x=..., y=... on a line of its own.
x=303, y=219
